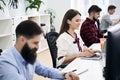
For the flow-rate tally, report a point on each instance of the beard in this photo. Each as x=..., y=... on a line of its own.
x=95, y=19
x=29, y=54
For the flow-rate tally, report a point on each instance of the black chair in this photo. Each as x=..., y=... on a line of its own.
x=0, y=51
x=51, y=39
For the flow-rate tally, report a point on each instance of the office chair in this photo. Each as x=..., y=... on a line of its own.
x=0, y=51
x=51, y=40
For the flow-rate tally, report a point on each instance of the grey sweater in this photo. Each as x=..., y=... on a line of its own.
x=106, y=22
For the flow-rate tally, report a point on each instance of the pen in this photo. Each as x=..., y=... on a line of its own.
x=82, y=72
x=74, y=70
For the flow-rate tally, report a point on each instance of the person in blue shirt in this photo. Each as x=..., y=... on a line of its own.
x=20, y=63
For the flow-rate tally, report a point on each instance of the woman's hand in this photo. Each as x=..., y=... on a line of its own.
x=88, y=53
x=91, y=50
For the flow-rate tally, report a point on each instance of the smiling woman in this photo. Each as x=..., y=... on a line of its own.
x=68, y=42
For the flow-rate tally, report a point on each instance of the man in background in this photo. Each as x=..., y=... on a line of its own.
x=19, y=62
x=106, y=21
x=89, y=31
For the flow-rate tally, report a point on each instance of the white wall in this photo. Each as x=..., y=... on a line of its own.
x=83, y=6
x=43, y=6
x=60, y=7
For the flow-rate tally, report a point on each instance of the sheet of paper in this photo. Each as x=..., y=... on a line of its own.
x=94, y=69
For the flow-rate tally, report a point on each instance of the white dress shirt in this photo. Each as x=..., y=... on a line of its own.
x=66, y=47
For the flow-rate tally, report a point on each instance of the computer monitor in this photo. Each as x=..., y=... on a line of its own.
x=112, y=67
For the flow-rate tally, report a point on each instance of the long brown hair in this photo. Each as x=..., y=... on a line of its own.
x=68, y=15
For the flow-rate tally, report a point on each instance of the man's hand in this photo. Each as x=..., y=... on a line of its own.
x=71, y=76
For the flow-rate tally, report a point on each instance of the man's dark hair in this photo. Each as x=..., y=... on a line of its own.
x=94, y=8
x=110, y=7
x=28, y=29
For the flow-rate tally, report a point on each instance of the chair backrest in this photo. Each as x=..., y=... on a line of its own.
x=51, y=39
x=0, y=51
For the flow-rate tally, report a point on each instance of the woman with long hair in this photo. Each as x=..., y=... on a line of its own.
x=68, y=43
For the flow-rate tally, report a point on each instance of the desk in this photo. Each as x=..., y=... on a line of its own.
x=94, y=67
